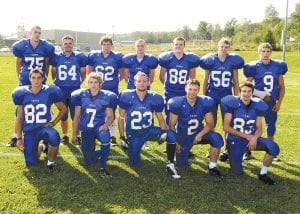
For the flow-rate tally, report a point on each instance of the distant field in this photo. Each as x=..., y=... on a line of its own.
x=79, y=189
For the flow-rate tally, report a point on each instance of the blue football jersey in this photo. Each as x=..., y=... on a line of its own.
x=32, y=57
x=243, y=117
x=109, y=68
x=221, y=73
x=93, y=109
x=190, y=118
x=36, y=107
x=139, y=113
x=131, y=62
x=68, y=68
x=177, y=71
x=266, y=75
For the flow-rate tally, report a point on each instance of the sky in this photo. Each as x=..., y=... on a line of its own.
x=124, y=16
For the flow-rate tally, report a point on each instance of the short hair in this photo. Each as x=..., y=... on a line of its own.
x=139, y=40
x=247, y=84
x=178, y=38
x=67, y=37
x=36, y=71
x=95, y=75
x=140, y=73
x=105, y=39
x=193, y=82
x=264, y=45
x=35, y=27
x=225, y=41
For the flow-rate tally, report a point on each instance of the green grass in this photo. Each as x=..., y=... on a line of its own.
x=79, y=189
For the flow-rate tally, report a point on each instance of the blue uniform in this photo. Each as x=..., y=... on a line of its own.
x=32, y=57
x=189, y=124
x=244, y=120
x=131, y=62
x=109, y=68
x=220, y=82
x=36, y=113
x=140, y=122
x=68, y=77
x=92, y=117
x=266, y=79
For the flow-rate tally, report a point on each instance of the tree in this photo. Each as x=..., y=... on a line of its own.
x=294, y=24
x=186, y=32
x=202, y=31
x=269, y=37
x=229, y=29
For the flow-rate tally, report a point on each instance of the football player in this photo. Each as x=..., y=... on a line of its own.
x=109, y=64
x=31, y=53
x=68, y=72
x=93, y=116
x=34, y=118
x=221, y=77
x=139, y=61
x=267, y=75
x=186, y=116
x=243, y=125
x=136, y=108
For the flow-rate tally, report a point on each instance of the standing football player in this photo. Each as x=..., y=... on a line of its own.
x=93, y=116
x=136, y=108
x=31, y=53
x=109, y=64
x=139, y=61
x=186, y=116
x=68, y=72
x=221, y=77
x=268, y=83
x=243, y=125
x=34, y=118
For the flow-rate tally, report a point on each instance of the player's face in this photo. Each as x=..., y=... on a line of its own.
x=223, y=48
x=178, y=46
x=246, y=93
x=141, y=83
x=93, y=84
x=106, y=47
x=140, y=47
x=192, y=91
x=36, y=79
x=35, y=34
x=265, y=54
x=68, y=45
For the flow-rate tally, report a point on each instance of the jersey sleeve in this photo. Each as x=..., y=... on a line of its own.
x=229, y=102
x=194, y=60
x=112, y=100
x=283, y=67
x=207, y=61
x=91, y=58
x=82, y=59
x=18, y=48
x=54, y=59
x=76, y=97
x=157, y=102
x=250, y=69
x=18, y=95
x=207, y=103
x=118, y=58
x=124, y=99
x=153, y=62
x=164, y=58
x=56, y=94
x=127, y=60
x=174, y=104
x=50, y=49
x=237, y=61
x=260, y=106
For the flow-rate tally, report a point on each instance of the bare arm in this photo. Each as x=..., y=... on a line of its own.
x=253, y=141
x=205, y=82
x=193, y=73
x=209, y=125
x=109, y=119
x=18, y=66
x=281, y=85
x=89, y=69
x=19, y=121
x=162, y=75
x=83, y=73
x=47, y=66
x=161, y=121
x=76, y=124
x=173, y=121
x=121, y=122
x=249, y=79
x=152, y=75
x=53, y=72
x=236, y=82
x=62, y=109
x=126, y=74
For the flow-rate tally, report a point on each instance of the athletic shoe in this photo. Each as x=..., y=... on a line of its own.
x=223, y=157
x=104, y=173
x=162, y=137
x=191, y=155
x=12, y=142
x=266, y=179
x=146, y=147
x=276, y=158
x=113, y=141
x=45, y=147
x=52, y=168
x=214, y=172
x=171, y=169
x=79, y=141
x=65, y=140
x=124, y=142
x=247, y=155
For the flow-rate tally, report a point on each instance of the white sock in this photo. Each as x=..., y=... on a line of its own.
x=43, y=146
x=264, y=170
x=65, y=135
x=50, y=162
x=212, y=165
x=15, y=135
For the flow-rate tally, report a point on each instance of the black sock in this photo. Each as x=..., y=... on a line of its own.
x=171, y=152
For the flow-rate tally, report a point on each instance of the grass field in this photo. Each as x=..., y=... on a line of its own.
x=79, y=189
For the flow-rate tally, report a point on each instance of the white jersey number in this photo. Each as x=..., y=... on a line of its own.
x=219, y=78
x=93, y=114
x=239, y=124
x=107, y=72
x=38, y=61
x=63, y=73
x=33, y=113
x=268, y=82
x=193, y=125
x=176, y=76
x=138, y=117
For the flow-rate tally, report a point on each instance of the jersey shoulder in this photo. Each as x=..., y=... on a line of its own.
x=19, y=47
x=231, y=101
x=205, y=101
x=259, y=104
x=19, y=93
x=164, y=58
x=237, y=61
x=282, y=65
x=207, y=61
